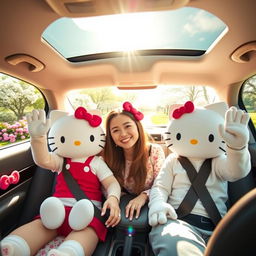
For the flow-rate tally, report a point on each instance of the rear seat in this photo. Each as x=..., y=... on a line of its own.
x=43, y=182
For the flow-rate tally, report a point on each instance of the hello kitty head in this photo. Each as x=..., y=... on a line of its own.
x=193, y=132
x=76, y=136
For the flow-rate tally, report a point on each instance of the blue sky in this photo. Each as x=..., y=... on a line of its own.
x=185, y=28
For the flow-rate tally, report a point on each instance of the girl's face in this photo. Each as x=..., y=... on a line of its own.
x=124, y=131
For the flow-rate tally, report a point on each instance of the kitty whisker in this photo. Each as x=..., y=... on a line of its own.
x=222, y=149
x=169, y=145
x=52, y=150
x=50, y=138
x=101, y=146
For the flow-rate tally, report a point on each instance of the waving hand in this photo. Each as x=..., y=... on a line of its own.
x=235, y=132
x=38, y=125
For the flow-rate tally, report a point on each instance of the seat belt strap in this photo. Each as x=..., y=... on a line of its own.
x=78, y=193
x=198, y=190
x=191, y=197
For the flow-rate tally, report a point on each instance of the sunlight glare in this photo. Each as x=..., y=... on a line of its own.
x=125, y=32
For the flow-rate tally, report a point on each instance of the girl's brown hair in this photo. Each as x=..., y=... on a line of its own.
x=114, y=155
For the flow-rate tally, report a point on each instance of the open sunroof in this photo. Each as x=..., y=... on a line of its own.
x=185, y=31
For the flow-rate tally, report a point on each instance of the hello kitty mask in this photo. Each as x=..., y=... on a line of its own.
x=76, y=136
x=193, y=132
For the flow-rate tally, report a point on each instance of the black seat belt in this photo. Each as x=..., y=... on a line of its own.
x=198, y=190
x=78, y=193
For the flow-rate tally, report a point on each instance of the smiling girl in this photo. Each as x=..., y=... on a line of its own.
x=134, y=161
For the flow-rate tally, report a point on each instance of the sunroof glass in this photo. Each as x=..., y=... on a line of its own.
x=183, y=29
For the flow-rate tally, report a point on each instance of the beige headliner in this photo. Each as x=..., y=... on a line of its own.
x=23, y=21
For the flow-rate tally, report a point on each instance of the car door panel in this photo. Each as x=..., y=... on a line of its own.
x=15, y=157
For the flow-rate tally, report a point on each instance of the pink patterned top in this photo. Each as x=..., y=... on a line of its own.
x=154, y=165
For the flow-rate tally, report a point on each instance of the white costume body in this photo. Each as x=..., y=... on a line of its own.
x=198, y=135
x=172, y=183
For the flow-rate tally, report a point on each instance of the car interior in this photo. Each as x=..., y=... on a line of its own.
x=151, y=52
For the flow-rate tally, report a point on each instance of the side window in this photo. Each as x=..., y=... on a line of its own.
x=249, y=97
x=16, y=99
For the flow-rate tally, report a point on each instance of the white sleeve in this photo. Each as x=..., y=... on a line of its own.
x=162, y=186
x=100, y=168
x=41, y=155
x=235, y=165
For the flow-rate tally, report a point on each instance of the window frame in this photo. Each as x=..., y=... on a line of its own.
x=242, y=106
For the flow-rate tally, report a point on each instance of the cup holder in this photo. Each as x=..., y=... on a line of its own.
x=136, y=251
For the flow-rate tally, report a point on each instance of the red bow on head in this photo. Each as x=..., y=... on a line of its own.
x=127, y=106
x=6, y=180
x=93, y=120
x=187, y=108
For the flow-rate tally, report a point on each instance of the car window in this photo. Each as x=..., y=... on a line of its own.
x=249, y=97
x=16, y=99
x=154, y=103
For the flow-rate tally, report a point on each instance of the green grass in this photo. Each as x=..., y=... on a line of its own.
x=4, y=143
x=159, y=119
x=253, y=117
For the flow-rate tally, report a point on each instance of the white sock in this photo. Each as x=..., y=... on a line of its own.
x=68, y=248
x=13, y=245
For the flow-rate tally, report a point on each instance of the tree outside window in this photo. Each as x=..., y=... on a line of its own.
x=16, y=99
x=249, y=97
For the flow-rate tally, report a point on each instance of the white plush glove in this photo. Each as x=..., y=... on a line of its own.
x=159, y=212
x=38, y=125
x=235, y=132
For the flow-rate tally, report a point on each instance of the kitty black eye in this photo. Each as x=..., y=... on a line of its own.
x=91, y=138
x=62, y=139
x=211, y=138
x=178, y=136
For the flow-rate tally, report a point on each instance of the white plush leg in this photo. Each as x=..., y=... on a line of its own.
x=68, y=248
x=52, y=212
x=13, y=245
x=81, y=214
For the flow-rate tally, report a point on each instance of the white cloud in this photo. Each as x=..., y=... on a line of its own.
x=202, y=22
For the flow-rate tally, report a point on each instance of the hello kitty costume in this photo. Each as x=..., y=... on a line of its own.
x=74, y=140
x=197, y=134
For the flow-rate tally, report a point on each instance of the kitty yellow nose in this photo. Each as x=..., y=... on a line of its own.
x=77, y=143
x=193, y=141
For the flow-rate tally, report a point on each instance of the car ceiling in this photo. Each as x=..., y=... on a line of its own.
x=23, y=21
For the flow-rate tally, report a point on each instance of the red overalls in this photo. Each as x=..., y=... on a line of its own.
x=91, y=186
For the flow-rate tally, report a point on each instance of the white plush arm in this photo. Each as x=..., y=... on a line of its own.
x=235, y=132
x=38, y=125
x=43, y=157
x=159, y=209
x=236, y=164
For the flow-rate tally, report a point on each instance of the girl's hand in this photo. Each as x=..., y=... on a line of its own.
x=112, y=203
x=135, y=205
